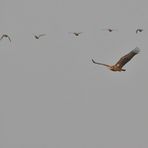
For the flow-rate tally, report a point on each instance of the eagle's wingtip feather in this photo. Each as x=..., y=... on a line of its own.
x=136, y=50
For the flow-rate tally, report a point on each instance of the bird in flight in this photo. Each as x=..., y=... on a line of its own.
x=76, y=33
x=139, y=30
x=109, y=29
x=38, y=36
x=6, y=36
x=122, y=61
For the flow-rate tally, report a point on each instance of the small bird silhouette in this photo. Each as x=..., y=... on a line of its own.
x=38, y=36
x=76, y=33
x=6, y=36
x=109, y=29
x=139, y=30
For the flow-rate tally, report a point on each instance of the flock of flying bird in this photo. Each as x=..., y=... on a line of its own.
x=116, y=67
x=75, y=33
x=6, y=36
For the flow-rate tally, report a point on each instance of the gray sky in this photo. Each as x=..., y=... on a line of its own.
x=52, y=95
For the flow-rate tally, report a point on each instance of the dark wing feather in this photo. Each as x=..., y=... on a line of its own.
x=127, y=57
x=9, y=38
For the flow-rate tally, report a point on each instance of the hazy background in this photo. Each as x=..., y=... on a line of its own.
x=52, y=95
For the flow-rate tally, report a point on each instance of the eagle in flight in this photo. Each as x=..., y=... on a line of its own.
x=122, y=61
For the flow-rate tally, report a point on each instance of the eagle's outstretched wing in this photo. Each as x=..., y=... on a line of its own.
x=123, y=60
x=100, y=63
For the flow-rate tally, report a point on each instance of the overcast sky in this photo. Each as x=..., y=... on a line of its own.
x=52, y=95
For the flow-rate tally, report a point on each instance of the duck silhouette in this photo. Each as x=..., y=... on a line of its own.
x=5, y=36
x=38, y=36
x=109, y=29
x=139, y=30
x=76, y=33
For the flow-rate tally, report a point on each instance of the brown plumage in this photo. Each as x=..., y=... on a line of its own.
x=122, y=61
x=6, y=36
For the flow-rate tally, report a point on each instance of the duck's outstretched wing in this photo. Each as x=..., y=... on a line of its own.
x=41, y=35
x=1, y=37
x=9, y=38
